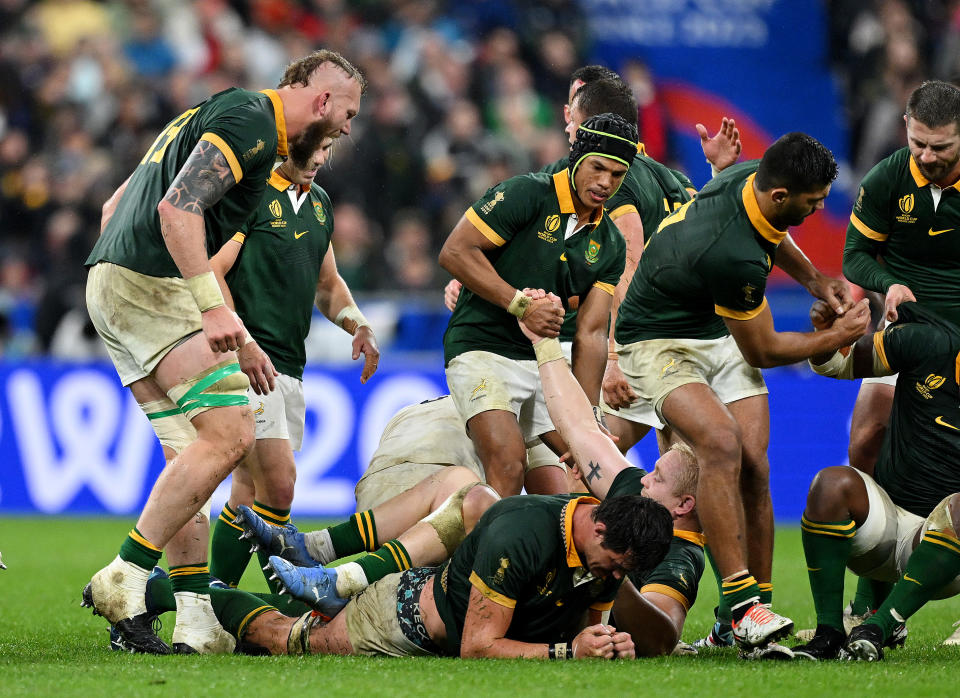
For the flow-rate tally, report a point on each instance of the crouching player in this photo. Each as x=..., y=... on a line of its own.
x=902, y=524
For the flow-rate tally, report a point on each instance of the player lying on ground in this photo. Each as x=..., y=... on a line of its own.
x=655, y=614
x=901, y=524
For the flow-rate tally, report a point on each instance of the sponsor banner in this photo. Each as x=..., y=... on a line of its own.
x=763, y=62
x=72, y=440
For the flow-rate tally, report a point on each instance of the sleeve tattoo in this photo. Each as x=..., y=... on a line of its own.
x=202, y=181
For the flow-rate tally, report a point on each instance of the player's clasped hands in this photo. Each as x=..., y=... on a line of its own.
x=604, y=642
x=544, y=316
x=853, y=323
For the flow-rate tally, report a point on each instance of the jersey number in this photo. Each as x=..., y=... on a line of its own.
x=159, y=146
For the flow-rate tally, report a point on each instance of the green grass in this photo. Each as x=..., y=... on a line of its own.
x=50, y=646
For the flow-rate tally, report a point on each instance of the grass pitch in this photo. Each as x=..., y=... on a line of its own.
x=50, y=646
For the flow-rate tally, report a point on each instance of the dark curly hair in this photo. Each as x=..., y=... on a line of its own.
x=637, y=526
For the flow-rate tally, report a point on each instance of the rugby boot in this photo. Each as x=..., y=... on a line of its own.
x=116, y=640
x=315, y=586
x=825, y=644
x=117, y=593
x=865, y=644
x=284, y=541
x=759, y=625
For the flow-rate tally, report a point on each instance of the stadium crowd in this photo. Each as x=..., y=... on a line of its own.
x=457, y=102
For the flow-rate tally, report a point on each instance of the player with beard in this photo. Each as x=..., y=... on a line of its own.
x=158, y=307
x=277, y=268
x=903, y=240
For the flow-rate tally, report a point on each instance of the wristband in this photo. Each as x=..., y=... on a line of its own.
x=518, y=306
x=560, y=650
x=547, y=350
x=205, y=291
x=351, y=312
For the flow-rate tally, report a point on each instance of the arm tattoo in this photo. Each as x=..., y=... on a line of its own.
x=593, y=472
x=204, y=178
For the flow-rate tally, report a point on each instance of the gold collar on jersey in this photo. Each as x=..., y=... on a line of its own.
x=281, y=121
x=561, y=184
x=923, y=181
x=566, y=521
x=767, y=231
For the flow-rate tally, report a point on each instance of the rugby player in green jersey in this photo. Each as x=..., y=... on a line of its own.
x=695, y=328
x=654, y=615
x=900, y=525
x=903, y=239
x=548, y=231
x=157, y=306
x=902, y=242
x=276, y=269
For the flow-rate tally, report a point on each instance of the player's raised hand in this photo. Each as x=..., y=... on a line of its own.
x=365, y=342
x=451, y=292
x=617, y=392
x=258, y=367
x=723, y=148
x=222, y=328
x=896, y=294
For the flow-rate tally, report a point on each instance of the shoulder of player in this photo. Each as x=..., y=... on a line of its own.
x=889, y=171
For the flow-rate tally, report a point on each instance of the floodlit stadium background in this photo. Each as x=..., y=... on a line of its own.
x=462, y=95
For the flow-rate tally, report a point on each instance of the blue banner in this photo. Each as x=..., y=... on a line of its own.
x=74, y=441
x=762, y=62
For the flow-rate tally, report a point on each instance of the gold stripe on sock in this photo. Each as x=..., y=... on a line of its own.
x=765, y=586
x=403, y=556
x=186, y=569
x=947, y=541
x=135, y=535
x=393, y=551
x=830, y=534
x=828, y=526
x=250, y=616
x=269, y=516
x=368, y=518
x=358, y=520
x=229, y=521
x=404, y=561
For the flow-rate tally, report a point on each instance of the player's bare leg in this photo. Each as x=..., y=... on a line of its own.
x=871, y=415
x=499, y=444
x=753, y=416
x=710, y=429
x=629, y=433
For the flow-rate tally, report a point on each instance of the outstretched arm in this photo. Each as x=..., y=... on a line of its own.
x=572, y=414
x=723, y=148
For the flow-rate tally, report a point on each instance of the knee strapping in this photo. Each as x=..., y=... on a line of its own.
x=172, y=428
x=447, y=520
x=224, y=385
x=940, y=518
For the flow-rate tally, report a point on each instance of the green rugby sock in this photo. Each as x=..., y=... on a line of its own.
x=766, y=592
x=723, y=608
x=229, y=555
x=740, y=593
x=863, y=600
x=934, y=563
x=358, y=534
x=235, y=609
x=194, y=578
x=389, y=558
x=275, y=516
x=826, y=547
x=138, y=551
x=160, y=597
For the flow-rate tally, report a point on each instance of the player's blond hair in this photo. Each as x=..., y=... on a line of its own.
x=689, y=475
x=299, y=72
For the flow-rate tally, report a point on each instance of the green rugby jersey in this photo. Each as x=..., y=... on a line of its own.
x=521, y=556
x=649, y=189
x=918, y=464
x=274, y=279
x=708, y=260
x=678, y=575
x=248, y=127
x=895, y=218
x=526, y=217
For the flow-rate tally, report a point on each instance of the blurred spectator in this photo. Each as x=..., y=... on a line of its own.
x=357, y=244
x=410, y=256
